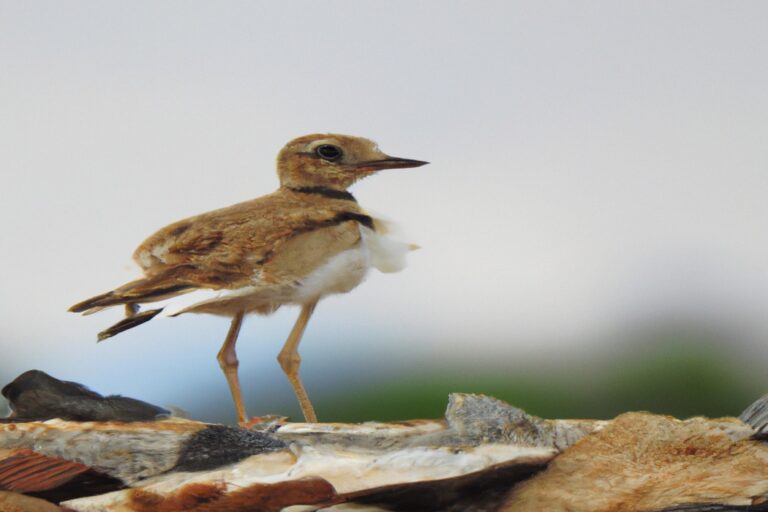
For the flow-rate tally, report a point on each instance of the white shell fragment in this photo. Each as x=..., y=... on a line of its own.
x=484, y=456
x=478, y=434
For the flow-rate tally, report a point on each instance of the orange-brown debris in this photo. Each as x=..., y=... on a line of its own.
x=13, y=502
x=27, y=471
x=644, y=462
x=257, y=497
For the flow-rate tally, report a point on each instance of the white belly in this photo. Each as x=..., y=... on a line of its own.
x=339, y=274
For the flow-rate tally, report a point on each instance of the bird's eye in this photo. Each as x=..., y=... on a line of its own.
x=328, y=152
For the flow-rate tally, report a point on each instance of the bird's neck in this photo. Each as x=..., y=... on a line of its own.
x=328, y=192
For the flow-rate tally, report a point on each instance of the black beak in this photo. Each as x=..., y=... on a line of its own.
x=390, y=163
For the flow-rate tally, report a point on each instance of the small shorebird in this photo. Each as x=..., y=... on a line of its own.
x=307, y=240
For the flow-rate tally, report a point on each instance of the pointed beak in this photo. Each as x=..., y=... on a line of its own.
x=390, y=163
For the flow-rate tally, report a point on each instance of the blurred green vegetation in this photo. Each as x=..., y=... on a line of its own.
x=679, y=377
x=674, y=373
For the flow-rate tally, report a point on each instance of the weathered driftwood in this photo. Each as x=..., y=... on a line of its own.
x=483, y=456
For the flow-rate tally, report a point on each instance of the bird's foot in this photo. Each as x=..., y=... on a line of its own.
x=268, y=422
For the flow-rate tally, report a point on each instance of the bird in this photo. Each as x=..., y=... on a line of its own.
x=307, y=240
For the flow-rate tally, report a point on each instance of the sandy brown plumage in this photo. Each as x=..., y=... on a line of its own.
x=271, y=242
x=296, y=245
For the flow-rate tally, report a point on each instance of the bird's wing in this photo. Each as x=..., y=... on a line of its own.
x=281, y=273
x=226, y=246
x=264, y=241
x=223, y=240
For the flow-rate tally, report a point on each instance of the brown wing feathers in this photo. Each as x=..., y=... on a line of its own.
x=166, y=284
x=179, y=279
x=116, y=297
x=206, y=257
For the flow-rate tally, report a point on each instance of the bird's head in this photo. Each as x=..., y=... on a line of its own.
x=333, y=161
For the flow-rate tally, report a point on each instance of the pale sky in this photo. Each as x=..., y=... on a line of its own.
x=594, y=166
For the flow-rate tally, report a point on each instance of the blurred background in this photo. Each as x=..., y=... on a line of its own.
x=592, y=222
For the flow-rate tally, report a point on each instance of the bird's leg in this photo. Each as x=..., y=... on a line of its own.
x=290, y=360
x=228, y=361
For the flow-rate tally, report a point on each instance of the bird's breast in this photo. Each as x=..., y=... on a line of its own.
x=339, y=274
x=345, y=270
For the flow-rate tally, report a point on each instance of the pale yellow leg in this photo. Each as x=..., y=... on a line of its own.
x=228, y=361
x=290, y=360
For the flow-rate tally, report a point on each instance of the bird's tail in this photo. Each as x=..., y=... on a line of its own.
x=135, y=292
x=149, y=289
